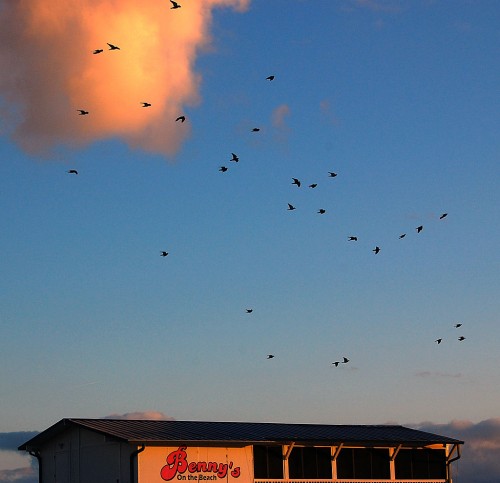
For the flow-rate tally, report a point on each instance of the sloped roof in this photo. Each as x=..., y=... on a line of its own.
x=203, y=432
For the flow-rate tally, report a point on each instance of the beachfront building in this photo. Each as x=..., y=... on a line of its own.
x=151, y=451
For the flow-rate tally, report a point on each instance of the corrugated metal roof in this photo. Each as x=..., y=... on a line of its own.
x=203, y=432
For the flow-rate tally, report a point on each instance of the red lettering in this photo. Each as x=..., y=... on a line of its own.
x=176, y=462
x=222, y=471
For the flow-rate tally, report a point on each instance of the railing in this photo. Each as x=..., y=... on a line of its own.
x=355, y=480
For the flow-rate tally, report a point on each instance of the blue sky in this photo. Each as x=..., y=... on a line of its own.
x=401, y=100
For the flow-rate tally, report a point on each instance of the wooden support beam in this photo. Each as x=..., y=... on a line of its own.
x=337, y=451
x=395, y=452
x=289, y=450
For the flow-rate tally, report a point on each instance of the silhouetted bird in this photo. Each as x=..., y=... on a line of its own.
x=113, y=47
x=444, y=215
x=291, y=207
x=321, y=211
x=163, y=254
x=181, y=118
x=296, y=181
x=457, y=326
x=402, y=236
x=353, y=238
x=249, y=311
x=270, y=78
x=345, y=361
x=419, y=228
x=336, y=363
x=256, y=129
x=234, y=158
x=439, y=341
x=332, y=175
x=82, y=112
x=223, y=169
x=146, y=104
x=461, y=338
x=72, y=171
x=270, y=356
x=174, y=5
x=98, y=51
x=376, y=250
x=313, y=185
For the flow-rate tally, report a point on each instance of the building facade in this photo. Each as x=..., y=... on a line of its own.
x=144, y=451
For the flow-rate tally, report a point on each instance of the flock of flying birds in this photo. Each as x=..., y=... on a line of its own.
x=295, y=181
x=461, y=338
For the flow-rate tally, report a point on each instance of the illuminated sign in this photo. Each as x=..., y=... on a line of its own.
x=160, y=464
x=178, y=464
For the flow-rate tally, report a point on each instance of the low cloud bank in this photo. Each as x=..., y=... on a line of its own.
x=19, y=475
x=480, y=461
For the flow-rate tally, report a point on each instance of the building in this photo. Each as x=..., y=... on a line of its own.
x=146, y=451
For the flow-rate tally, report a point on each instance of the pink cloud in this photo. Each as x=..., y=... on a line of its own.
x=437, y=374
x=279, y=116
x=151, y=415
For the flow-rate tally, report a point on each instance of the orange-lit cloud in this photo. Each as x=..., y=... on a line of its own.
x=150, y=415
x=49, y=70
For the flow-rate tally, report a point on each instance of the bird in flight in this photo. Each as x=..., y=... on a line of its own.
x=353, y=238
x=72, y=171
x=113, y=47
x=223, y=169
x=146, y=104
x=345, y=361
x=331, y=174
x=402, y=236
x=256, y=129
x=438, y=341
x=376, y=250
x=163, y=254
x=336, y=363
x=270, y=356
x=444, y=215
x=97, y=51
x=174, y=5
x=82, y=112
x=234, y=158
x=313, y=185
x=249, y=311
x=181, y=118
x=270, y=78
x=321, y=211
x=291, y=207
x=296, y=181
x=461, y=338
x=419, y=228
x=457, y=326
